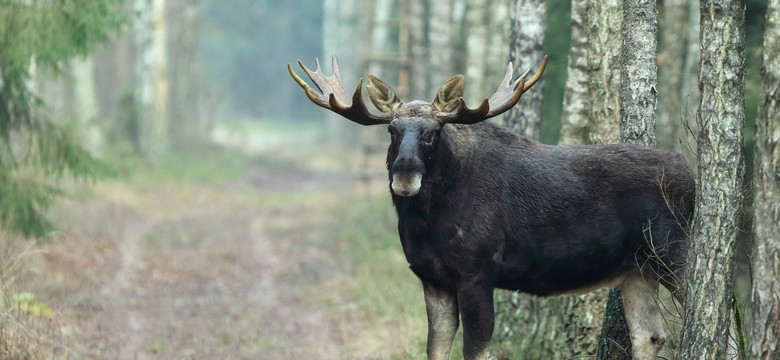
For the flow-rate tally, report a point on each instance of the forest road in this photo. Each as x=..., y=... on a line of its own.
x=216, y=270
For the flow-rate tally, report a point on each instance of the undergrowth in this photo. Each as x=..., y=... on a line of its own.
x=28, y=327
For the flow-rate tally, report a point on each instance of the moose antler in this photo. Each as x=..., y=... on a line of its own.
x=505, y=98
x=333, y=96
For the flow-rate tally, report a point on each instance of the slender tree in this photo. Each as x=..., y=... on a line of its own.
x=576, y=104
x=418, y=49
x=765, y=336
x=604, y=21
x=152, y=83
x=719, y=194
x=477, y=38
x=671, y=64
x=442, y=37
x=560, y=327
x=637, y=126
x=186, y=125
x=526, y=50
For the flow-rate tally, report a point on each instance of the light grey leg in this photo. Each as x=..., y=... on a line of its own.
x=643, y=315
x=442, y=308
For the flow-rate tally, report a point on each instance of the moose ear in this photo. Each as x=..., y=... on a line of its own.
x=382, y=95
x=448, y=97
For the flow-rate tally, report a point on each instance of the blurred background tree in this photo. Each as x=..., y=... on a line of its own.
x=36, y=146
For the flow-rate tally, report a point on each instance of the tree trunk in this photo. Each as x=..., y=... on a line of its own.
x=550, y=328
x=576, y=105
x=476, y=47
x=719, y=195
x=690, y=83
x=604, y=20
x=441, y=35
x=418, y=50
x=766, y=219
x=497, y=51
x=339, y=26
x=526, y=50
x=560, y=327
x=637, y=126
x=671, y=64
x=638, y=72
x=185, y=90
x=152, y=77
x=85, y=104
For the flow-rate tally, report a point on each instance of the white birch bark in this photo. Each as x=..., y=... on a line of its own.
x=526, y=50
x=441, y=35
x=671, y=63
x=418, y=50
x=86, y=104
x=719, y=193
x=476, y=49
x=604, y=25
x=576, y=105
x=765, y=336
x=152, y=81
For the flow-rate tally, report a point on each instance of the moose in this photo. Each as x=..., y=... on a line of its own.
x=481, y=208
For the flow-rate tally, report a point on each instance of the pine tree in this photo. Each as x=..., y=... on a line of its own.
x=39, y=37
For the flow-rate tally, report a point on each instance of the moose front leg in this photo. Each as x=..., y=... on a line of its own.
x=476, y=311
x=442, y=308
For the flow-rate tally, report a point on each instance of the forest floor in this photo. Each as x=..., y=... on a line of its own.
x=250, y=265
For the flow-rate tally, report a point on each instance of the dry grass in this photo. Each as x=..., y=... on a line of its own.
x=28, y=327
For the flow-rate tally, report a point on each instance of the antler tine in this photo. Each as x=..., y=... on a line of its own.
x=505, y=97
x=333, y=96
x=537, y=76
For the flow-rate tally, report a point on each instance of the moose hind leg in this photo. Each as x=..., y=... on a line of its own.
x=643, y=315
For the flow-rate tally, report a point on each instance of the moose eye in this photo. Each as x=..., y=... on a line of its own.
x=427, y=137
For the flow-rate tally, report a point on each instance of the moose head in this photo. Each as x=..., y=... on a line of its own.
x=414, y=126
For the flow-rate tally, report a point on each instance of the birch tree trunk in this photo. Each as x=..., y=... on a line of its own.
x=719, y=197
x=671, y=65
x=476, y=48
x=339, y=29
x=559, y=327
x=638, y=72
x=765, y=334
x=186, y=127
x=152, y=76
x=418, y=50
x=526, y=50
x=604, y=21
x=690, y=83
x=86, y=104
x=441, y=35
x=637, y=126
x=576, y=105
x=497, y=49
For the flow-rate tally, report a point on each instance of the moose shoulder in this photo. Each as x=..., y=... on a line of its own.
x=481, y=208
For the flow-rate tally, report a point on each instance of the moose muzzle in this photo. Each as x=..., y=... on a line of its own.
x=408, y=169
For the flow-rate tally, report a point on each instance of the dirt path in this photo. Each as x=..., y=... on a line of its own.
x=240, y=269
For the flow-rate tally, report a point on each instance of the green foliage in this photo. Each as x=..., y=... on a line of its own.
x=41, y=36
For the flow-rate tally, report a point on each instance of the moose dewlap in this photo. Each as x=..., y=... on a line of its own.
x=480, y=208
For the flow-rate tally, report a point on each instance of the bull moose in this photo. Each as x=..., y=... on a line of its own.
x=481, y=208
